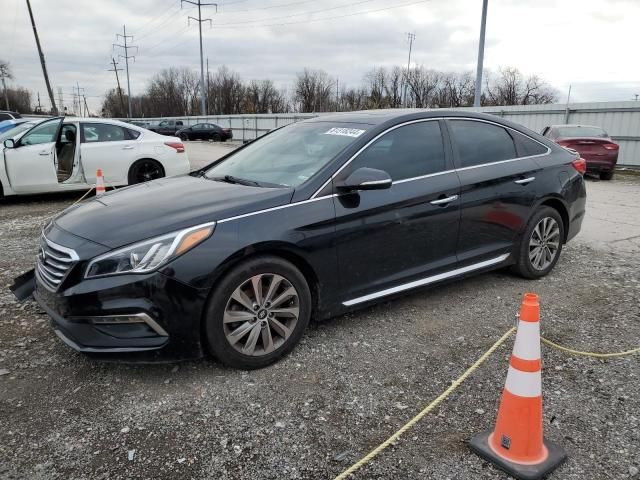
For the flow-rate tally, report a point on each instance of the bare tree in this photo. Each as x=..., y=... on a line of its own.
x=5, y=72
x=423, y=85
x=509, y=87
x=313, y=90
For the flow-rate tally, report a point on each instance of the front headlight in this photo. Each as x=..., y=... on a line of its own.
x=146, y=256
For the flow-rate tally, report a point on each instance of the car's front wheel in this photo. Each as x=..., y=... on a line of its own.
x=540, y=245
x=184, y=137
x=257, y=313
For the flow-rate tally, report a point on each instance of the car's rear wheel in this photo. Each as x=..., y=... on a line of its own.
x=257, y=313
x=145, y=170
x=216, y=137
x=541, y=244
x=606, y=175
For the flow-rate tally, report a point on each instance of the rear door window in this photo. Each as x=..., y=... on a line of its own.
x=408, y=151
x=478, y=143
x=103, y=132
x=526, y=146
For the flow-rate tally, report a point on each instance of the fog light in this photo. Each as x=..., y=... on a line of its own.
x=126, y=319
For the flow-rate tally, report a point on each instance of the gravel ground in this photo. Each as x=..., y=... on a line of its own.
x=351, y=382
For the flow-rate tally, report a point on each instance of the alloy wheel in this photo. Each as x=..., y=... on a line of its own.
x=261, y=314
x=147, y=170
x=544, y=243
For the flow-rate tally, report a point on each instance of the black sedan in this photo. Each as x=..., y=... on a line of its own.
x=310, y=221
x=205, y=131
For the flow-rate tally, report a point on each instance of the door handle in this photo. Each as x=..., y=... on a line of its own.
x=444, y=201
x=44, y=153
x=127, y=148
x=525, y=181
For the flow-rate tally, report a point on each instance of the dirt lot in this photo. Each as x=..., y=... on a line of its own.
x=352, y=382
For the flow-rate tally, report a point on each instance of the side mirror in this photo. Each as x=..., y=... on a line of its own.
x=366, y=179
x=9, y=143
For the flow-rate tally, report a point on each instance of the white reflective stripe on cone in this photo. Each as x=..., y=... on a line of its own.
x=524, y=384
x=527, y=345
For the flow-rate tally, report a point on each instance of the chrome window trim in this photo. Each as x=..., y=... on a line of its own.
x=426, y=281
x=355, y=155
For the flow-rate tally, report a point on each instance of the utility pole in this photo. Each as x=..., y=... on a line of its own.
x=44, y=66
x=483, y=25
x=77, y=99
x=126, y=57
x=337, y=93
x=116, y=70
x=86, y=108
x=411, y=37
x=60, y=100
x=208, y=86
x=200, y=20
x=39, y=107
x=6, y=94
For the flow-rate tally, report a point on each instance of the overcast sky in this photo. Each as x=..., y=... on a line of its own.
x=590, y=44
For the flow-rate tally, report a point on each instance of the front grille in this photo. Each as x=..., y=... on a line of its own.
x=54, y=262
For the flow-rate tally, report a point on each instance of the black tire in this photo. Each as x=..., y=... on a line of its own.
x=215, y=137
x=606, y=175
x=524, y=265
x=214, y=327
x=145, y=170
x=184, y=137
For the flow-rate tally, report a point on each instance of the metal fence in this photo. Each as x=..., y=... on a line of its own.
x=620, y=119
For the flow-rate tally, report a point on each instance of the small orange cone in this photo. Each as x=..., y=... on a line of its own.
x=517, y=445
x=99, y=183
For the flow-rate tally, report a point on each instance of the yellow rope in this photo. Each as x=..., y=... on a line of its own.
x=376, y=451
x=589, y=354
x=83, y=196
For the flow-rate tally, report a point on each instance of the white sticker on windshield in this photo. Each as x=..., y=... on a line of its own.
x=345, y=132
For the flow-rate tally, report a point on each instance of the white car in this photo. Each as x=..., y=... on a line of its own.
x=62, y=154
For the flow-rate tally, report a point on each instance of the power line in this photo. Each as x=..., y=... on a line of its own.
x=126, y=57
x=146, y=25
x=313, y=20
x=200, y=20
x=344, y=5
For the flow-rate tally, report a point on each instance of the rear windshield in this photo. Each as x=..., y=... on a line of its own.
x=290, y=155
x=582, y=132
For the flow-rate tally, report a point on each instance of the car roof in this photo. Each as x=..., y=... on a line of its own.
x=575, y=125
x=377, y=117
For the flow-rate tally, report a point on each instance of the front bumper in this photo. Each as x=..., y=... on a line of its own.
x=128, y=313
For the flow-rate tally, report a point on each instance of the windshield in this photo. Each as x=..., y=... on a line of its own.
x=12, y=132
x=582, y=132
x=290, y=155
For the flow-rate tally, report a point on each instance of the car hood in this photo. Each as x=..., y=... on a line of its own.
x=154, y=208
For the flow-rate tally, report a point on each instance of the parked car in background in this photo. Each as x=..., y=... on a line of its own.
x=591, y=142
x=10, y=124
x=167, y=127
x=205, y=131
x=139, y=123
x=314, y=219
x=63, y=153
x=8, y=115
x=15, y=129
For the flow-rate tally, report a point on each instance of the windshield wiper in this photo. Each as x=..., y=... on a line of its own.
x=239, y=181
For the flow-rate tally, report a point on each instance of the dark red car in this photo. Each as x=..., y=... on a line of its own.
x=592, y=143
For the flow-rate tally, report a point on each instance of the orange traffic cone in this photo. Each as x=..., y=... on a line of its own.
x=517, y=445
x=99, y=183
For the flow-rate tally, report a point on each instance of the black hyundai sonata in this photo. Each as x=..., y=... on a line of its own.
x=311, y=220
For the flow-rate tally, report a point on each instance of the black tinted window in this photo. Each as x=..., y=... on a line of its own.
x=480, y=142
x=410, y=151
x=527, y=146
x=132, y=134
x=103, y=132
x=5, y=116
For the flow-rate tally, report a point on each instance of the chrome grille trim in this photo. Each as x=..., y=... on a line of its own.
x=54, y=262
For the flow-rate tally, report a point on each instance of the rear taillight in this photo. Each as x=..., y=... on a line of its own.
x=580, y=164
x=564, y=143
x=226, y=130
x=610, y=146
x=177, y=145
